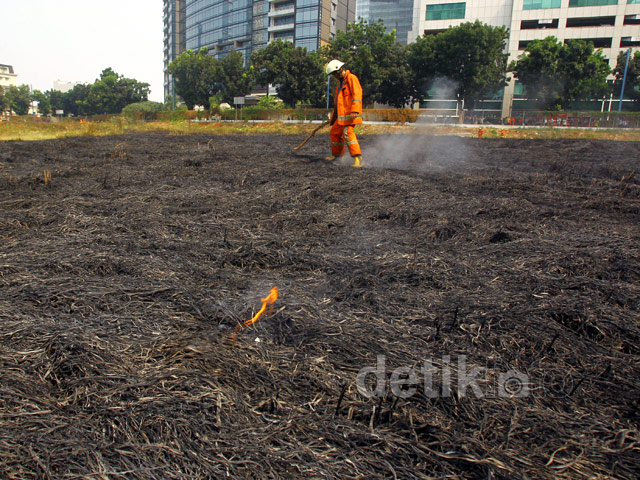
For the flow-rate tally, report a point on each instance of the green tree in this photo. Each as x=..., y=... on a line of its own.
x=112, y=92
x=56, y=99
x=376, y=59
x=421, y=58
x=632, y=84
x=298, y=74
x=4, y=102
x=44, y=105
x=74, y=102
x=196, y=77
x=557, y=73
x=234, y=77
x=398, y=89
x=19, y=99
x=470, y=56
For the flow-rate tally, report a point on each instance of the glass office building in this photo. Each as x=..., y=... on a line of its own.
x=221, y=25
x=396, y=14
x=174, y=44
x=224, y=26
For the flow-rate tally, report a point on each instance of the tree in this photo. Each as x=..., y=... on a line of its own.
x=196, y=77
x=375, y=57
x=632, y=84
x=44, y=105
x=298, y=74
x=470, y=56
x=19, y=99
x=399, y=89
x=236, y=80
x=74, y=102
x=56, y=99
x=421, y=58
x=4, y=102
x=112, y=92
x=557, y=73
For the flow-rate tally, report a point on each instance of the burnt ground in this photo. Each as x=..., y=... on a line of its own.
x=500, y=276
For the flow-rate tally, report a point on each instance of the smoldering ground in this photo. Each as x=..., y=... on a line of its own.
x=420, y=153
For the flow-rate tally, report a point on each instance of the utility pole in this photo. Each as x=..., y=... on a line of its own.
x=328, y=86
x=624, y=80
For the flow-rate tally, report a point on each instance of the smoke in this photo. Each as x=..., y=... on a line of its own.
x=421, y=153
x=443, y=88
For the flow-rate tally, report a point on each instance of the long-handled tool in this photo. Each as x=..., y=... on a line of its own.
x=312, y=134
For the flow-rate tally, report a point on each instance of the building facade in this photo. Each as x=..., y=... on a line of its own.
x=7, y=76
x=612, y=25
x=64, y=86
x=174, y=37
x=396, y=14
x=224, y=26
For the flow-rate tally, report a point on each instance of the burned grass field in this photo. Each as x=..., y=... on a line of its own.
x=462, y=308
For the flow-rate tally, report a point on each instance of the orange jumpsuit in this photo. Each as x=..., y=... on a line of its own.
x=347, y=99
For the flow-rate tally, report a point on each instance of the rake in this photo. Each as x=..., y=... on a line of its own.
x=312, y=134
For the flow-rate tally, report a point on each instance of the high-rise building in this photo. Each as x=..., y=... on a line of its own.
x=612, y=25
x=396, y=14
x=174, y=39
x=224, y=26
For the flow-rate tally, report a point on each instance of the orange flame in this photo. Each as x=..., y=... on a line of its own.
x=268, y=300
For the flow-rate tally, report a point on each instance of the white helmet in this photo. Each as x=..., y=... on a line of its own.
x=333, y=66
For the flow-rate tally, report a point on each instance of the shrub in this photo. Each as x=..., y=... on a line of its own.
x=269, y=102
x=143, y=110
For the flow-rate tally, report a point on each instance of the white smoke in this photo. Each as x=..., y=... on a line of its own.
x=443, y=88
x=422, y=153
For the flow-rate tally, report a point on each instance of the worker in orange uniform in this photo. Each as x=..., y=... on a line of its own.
x=347, y=112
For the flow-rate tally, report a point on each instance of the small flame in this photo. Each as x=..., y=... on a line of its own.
x=268, y=300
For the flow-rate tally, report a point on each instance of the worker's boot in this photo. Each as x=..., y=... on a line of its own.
x=357, y=161
x=333, y=158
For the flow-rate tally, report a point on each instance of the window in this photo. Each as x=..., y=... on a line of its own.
x=591, y=3
x=519, y=91
x=591, y=22
x=538, y=24
x=282, y=20
x=306, y=15
x=631, y=20
x=446, y=11
x=540, y=4
x=523, y=44
x=597, y=42
x=307, y=30
x=284, y=5
x=311, y=44
x=434, y=32
x=288, y=35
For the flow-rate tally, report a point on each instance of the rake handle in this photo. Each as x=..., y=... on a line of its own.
x=312, y=134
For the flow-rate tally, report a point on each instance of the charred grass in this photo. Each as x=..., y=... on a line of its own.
x=123, y=276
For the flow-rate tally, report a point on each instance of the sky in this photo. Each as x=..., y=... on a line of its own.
x=74, y=40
